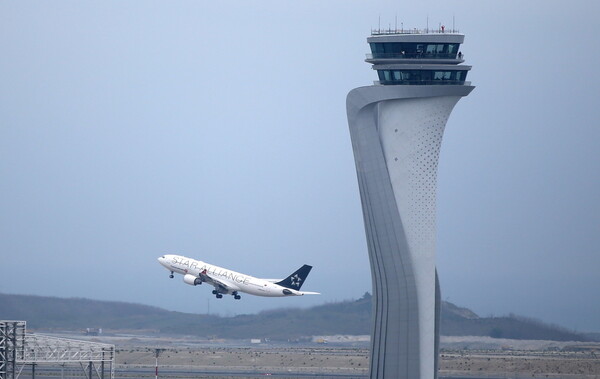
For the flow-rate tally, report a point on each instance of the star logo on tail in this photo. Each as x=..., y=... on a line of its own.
x=296, y=280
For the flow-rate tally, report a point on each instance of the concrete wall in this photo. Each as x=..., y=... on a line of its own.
x=396, y=135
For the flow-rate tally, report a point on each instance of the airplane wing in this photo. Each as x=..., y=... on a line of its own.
x=219, y=285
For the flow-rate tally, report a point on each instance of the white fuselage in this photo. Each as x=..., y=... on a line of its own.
x=234, y=281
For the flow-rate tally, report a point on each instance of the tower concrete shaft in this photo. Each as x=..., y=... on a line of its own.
x=396, y=132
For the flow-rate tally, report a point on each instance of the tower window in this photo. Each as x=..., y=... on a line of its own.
x=382, y=50
x=422, y=77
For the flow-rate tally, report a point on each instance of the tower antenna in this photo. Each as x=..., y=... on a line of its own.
x=453, y=28
x=396, y=26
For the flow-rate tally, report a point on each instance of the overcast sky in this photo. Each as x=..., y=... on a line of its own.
x=218, y=130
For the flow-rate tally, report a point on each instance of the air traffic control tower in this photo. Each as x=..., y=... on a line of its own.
x=396, y=127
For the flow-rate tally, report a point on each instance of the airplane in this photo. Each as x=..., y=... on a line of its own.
x=230, y=282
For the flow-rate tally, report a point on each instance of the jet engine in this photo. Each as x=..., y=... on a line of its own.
x=192, y=280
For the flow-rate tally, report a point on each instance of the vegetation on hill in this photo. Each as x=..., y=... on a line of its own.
x=348, y=317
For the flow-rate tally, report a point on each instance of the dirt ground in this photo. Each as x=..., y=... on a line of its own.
x=355, y=361
x=520, y=364
x=313, y=360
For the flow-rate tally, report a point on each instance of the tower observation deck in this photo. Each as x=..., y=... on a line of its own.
x=396, y=126
x=417, y=58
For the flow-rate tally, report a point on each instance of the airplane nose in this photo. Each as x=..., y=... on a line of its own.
x=162, y=260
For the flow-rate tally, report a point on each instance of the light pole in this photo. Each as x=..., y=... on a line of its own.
x=157, y=353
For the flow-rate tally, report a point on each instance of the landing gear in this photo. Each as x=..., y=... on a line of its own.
x=171, y=276
x=219, y=296
x=236, y=296
x=214, y=292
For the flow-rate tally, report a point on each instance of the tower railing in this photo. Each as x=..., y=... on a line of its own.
x=388, y=31
x=415, y=56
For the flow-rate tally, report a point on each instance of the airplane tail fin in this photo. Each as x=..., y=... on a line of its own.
x=296, y=280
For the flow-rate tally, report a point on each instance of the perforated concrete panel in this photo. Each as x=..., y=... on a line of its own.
x=396, y=137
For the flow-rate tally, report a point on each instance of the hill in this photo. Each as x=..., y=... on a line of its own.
x=349, y=317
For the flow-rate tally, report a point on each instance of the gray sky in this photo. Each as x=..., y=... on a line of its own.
x=218, y=130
